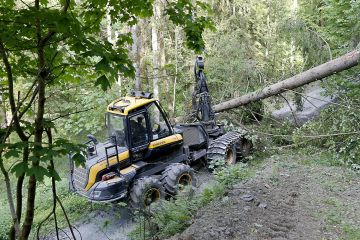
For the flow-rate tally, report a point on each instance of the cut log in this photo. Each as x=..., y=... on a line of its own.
x=339, y=64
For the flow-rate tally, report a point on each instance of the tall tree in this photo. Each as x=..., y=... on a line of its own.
x=53, y=45
x=155, y=48
x=136, y=52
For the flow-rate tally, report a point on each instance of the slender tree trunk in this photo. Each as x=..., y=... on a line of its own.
x=299, y=103
x=176, y=70
x=155, y=49
x=19, y=131
x=163, y=72
x=135, y=52
x=108, y=26
x=19, y=194
x=38, y=129
x=342, y=63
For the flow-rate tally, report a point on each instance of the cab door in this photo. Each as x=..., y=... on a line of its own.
x=162, y=137
x=138, y=135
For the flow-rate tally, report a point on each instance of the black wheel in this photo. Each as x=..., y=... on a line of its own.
x=224, y=148
x=146, y=191
x=230, y=156
x=245, y=148
x=177, y=177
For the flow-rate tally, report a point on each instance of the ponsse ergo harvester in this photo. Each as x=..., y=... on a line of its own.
x=145, y=158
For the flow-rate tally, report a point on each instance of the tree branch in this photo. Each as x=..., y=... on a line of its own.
x=53, y=186
x=292, y=111
x=72, y=113
x=13, y=107
x=10, y=197
x=50, y=32
x=66, y=217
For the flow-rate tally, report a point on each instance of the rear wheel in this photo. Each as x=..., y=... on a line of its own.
x=177, y=177
x=146, y=191
x=228, y=148
x=230, y=155
x=245, y=147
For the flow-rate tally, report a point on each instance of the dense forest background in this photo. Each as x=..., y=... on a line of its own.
x=254, y=44
x=247, y=45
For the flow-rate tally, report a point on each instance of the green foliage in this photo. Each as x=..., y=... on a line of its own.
x=76, y=206
x=174, y=216
x=337, y=128
x=181, y=13
x=337, y=21
x=42, y=155
x=231, y=175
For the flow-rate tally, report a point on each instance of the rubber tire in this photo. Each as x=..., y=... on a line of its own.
x=140, y=187
x=233, y=158
x=246, y=148
x=171, y=177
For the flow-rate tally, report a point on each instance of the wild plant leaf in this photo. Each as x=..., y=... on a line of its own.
x=19, y=168
x=39, y=172
x=104, y=83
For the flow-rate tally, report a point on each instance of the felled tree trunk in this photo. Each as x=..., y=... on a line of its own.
x=339, y=64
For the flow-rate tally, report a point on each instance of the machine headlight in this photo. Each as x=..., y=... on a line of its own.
x=96, y=194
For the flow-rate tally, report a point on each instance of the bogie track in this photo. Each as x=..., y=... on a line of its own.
x=225, y=147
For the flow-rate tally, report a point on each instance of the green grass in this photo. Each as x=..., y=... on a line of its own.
x=76, y=207
x=335, y=221
x=318, y=156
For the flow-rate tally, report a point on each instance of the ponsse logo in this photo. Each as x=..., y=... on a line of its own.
x=159, y=143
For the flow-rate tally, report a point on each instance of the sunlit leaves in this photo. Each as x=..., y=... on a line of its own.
x=40, y=156
x=181, y=13
x=76, y=54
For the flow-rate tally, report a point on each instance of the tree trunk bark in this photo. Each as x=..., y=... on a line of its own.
x=344, y=62
x=38, y=128
x=163, y=73
x=135, y=49
x=176, y=71
x=155, y=51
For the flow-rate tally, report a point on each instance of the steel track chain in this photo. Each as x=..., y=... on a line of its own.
x=218, y=147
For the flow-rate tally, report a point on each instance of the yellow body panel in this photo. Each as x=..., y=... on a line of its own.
x=165, y=141
x=128, y=169
x=127, y=104
x=102, y=165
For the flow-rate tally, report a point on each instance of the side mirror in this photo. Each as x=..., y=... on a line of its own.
x=92, y=138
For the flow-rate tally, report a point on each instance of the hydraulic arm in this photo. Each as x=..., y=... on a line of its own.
x=201, y=101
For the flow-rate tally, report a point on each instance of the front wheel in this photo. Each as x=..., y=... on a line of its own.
x=146, y=191
x=177, y=177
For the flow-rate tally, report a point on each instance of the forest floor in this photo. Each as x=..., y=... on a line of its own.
x=291, y=196
x=301, y=197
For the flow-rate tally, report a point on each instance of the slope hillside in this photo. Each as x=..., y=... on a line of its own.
x=288, y=198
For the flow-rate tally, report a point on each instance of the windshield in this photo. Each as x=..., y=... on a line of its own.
x=116, y=128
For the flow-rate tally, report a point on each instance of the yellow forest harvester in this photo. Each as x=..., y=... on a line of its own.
x=145, y=157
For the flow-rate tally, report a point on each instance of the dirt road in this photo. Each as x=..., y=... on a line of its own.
x=287, y=199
